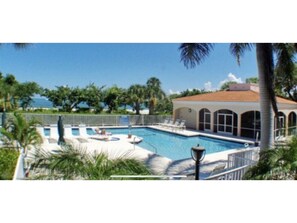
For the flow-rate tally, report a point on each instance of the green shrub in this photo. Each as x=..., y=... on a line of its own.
x=8, y=161
x=276, y=164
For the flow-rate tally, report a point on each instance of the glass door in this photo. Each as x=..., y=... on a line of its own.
x=225, y=123
x=207, y=121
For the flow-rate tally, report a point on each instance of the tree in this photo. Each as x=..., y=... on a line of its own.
x=20, y=132
x=93, y=97
x=8, y=86
x=189, y=92
x=66, y=97
x=276, y=164
x=226, y=85
x=71, y=163
x=136, y=94
x=25, y=92
x=154, y=92
x=164, y=106
x=192, y=54
x=112, y=98
x=286, y=71
x=4, y=94
x=252, y=80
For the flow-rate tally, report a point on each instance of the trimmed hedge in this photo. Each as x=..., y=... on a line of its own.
x=8, y=161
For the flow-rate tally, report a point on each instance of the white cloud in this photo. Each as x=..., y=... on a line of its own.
x=208, y=86
x=173, y=92
x=230, y=77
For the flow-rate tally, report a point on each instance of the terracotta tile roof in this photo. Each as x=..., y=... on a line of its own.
x=231, y=96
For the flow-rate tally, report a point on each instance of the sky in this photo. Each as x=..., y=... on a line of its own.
x=122, y=64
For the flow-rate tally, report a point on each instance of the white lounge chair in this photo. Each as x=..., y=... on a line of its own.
x=181, y=125
x=169, y=124
x=166, y=121
x=83, y=132
x=174, y=124
x=54, y=132
x=68, y=132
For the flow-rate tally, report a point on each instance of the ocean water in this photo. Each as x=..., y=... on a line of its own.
x=44, y=103
x=41, y=103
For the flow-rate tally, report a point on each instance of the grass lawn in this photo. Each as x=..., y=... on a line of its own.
x=8, y=161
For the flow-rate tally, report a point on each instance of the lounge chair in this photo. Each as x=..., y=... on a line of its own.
x=83, y=132
x=173, y=124
x=68, y=132
x=54, y=132
x=166, y=121
x=181, y=125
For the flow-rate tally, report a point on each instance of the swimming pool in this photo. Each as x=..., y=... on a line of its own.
x=174, y=146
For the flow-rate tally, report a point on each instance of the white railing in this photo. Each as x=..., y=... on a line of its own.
x=233, y=174
x=19, y=173
x=238, y=163
x=242, y=158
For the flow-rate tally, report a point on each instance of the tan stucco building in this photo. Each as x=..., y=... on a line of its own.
x=234, y=112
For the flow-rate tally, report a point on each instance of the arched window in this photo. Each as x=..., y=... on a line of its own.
x=225, y=121
x=280, y=125
x=292, y=123
x=204, y=119
x=251, y=125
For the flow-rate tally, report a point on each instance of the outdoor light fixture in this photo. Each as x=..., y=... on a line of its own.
x=190, y=110
x=198, y=154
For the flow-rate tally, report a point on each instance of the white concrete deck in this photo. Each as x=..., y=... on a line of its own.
x=201, y=133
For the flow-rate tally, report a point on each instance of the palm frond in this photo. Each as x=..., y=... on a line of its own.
x=193, y=54
x=285, y=58
x=77, y=163
x=238, y=49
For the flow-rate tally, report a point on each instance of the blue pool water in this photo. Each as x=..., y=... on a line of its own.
x=174, y=146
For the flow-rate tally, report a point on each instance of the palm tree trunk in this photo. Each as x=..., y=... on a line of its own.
x=265, y=70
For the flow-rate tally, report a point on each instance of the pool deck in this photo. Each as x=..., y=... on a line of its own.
x=191, y=133
x=159, y=165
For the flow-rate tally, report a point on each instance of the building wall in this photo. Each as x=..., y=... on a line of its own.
x=181, y=109
x=187, y=114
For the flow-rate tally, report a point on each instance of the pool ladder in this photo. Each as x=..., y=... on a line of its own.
x=156, y=149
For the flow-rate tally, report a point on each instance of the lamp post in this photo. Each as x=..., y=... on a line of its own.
x=198, y=154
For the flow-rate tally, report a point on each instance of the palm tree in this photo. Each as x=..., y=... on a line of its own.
x=276, y=164
x=154, y=92
x=286, y=70
x=17, y=46
x=8, y=86
x=136, y=94
x=20, y=132
x=193, y=54
x=71, y=163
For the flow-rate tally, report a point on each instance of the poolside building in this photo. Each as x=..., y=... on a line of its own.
x=234, y=112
